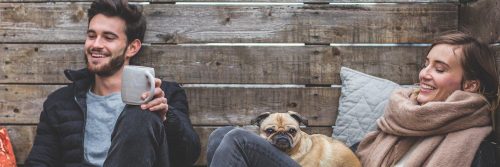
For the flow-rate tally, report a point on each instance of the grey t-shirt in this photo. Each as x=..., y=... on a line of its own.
x=102, y=113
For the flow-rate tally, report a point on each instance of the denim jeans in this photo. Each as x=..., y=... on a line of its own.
x=138, y=139
x=236, y=147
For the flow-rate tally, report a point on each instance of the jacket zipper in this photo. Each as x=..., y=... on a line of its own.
x=83, y=128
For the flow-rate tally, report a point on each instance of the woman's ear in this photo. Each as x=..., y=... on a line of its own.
x=471, y=86
x=133, y=48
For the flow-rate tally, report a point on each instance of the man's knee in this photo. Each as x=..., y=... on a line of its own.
x=227, y=136
x=137, y=122
x=138, y=136
x=219, y=133
x=239, y=135
x=134, y=115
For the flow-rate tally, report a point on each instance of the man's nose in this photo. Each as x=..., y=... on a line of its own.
x=97, y=43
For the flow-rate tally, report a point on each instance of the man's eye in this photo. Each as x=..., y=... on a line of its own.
x=110, y=37
x=91, y=36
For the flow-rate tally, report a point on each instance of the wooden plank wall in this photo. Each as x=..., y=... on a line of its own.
x=481, y=18
x=236, y=58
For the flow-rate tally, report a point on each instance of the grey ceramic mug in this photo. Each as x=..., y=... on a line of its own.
x=137, y=80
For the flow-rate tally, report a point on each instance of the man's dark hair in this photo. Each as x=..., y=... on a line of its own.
x=131, y=14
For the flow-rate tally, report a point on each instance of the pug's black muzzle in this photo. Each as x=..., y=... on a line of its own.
x=282, y=141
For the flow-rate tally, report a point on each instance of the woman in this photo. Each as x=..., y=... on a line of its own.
x=443, y=123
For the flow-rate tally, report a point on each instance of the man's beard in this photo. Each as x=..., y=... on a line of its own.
x=108, y=69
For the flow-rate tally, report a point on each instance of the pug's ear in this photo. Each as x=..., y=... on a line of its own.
x=258, y=119
x=299, y=118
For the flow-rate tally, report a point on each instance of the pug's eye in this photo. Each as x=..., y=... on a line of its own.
x=292, y=131
x=270, y=131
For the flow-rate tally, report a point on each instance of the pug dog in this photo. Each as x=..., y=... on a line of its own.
x=282, y=131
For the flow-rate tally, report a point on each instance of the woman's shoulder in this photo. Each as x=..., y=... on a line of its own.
x=485, y=155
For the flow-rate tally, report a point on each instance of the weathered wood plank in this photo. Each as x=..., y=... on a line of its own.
x=50, y=1
x=23, y=136
x=247, y=1
x=313, y=1
x=400, y=64
x=44, y=63
x=250, y=1
x=481, y=19
x=244, y=64
x=169, y=23
x=22, y=104
x=307, y=23
x=393, y=1
x=496, y=47
x=42, y=22
x=33, y=63
x=236, y=106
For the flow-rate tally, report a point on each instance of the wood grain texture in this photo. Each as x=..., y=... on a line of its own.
x=22, y=137
x=244, y=64
x=314, y=1
x=39, y=63
x=480, y=18
x=45, y=63
x=399, y=64
x=51, y=1
x=496, y=47
x=43, y=22
x=250, y=1
x=22, y=104
x=393, y=1
x=236, y=106
x=169, y=23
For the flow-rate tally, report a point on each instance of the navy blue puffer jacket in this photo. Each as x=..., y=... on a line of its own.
x=59, y=139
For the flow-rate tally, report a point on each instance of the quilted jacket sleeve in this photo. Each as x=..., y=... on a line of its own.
x=45, y=150
x=183, y=142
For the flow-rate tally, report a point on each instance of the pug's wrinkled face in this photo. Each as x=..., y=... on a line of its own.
x=281, y=129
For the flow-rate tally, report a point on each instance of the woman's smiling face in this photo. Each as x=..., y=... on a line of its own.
x=442, y=74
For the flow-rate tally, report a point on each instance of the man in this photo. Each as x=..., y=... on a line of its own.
x=87, y=124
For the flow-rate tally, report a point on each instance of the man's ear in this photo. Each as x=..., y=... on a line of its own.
x=257, y=120
x=133, y=48
x=471, y=86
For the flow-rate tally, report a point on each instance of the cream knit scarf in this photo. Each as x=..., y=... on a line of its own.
x=450, y=131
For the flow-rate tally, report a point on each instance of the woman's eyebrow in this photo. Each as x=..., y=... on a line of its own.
x=442, y=63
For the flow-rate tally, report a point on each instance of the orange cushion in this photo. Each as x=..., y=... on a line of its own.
x=7, y=158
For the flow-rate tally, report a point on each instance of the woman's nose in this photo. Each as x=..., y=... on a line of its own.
x=425, y=73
